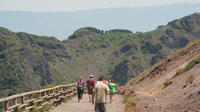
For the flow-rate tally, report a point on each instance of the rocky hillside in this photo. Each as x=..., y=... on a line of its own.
x=173, y=85
x=121, y=54
x=29, y=62
x=26, y=62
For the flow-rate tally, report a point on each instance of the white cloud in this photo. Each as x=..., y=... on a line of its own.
x=72, y=5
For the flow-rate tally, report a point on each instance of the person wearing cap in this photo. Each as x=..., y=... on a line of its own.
x=90, y=86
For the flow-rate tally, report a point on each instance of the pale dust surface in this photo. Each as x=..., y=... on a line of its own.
x=85, y=106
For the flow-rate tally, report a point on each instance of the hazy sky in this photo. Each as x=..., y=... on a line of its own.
x=74, y=5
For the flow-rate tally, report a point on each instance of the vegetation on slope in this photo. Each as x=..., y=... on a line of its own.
x=24, y=61
x=126, y=54
x=140, y=77
x=29, y=62
x=189, y=66
x=158, y=83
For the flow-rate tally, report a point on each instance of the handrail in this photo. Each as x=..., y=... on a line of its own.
x=28, y=100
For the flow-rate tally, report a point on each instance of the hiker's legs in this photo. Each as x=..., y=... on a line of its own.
x=78, y=96
x=90, y=92
x=96, y=107
x=100, y=107
x=81, y=94
x=103, y=107
x=90, y=97
x=111, y=97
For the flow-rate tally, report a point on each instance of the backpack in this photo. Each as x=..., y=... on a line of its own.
x=80, y=85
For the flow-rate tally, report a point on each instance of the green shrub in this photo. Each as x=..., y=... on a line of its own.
x=1, y=107
x=1, y=110
x=192, y=64
x=130, y=100
x=141, y=79
x=43, y=109
x=48, y=86
x=20, y=110
x=189, y=66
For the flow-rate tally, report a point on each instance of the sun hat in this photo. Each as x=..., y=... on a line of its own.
x=91, y=76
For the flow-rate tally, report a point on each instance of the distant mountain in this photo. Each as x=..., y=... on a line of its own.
x=29, y=62
x=62, y=24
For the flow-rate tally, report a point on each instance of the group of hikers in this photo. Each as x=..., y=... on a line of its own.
x=97, y=91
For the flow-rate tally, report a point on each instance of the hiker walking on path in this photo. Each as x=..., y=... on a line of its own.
x=80, y=88
x=90, y=86
x=112, y=86
x=99, y=93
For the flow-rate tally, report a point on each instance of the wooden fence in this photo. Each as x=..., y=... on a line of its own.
x=37, y=99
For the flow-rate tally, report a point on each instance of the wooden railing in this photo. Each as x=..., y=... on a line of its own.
x=37, y=99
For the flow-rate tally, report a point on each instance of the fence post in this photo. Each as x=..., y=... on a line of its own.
x=6, y=105
x=39, y=95
x=28, y=101
x=23, y=99
x=15, y=102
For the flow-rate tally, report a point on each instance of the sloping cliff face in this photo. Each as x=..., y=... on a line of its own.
x=172, y=85
x=29, y=62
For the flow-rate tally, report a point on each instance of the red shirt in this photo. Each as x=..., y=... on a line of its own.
x=90, y=83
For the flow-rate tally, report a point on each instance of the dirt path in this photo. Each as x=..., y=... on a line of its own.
x=84, y=106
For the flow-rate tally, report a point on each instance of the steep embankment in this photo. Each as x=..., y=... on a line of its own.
x=171, y=86
x=29, y=62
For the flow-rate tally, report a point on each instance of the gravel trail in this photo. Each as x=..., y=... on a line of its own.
x=85, y=106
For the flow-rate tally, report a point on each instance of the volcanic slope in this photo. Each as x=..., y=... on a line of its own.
x=172, y=85
x=29, y=62
x=121, y=54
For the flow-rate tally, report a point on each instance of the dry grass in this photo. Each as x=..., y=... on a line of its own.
x=167, y=83
x=194, y=62
x=130, y=102
x=190, y=78
x=140, y=77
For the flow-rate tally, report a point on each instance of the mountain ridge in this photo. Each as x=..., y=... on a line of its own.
x=32, y=61
x=62, y=24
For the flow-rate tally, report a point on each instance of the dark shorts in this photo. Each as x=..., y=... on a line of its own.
x=80, y=94
x=90, y=91
x=100, y=107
